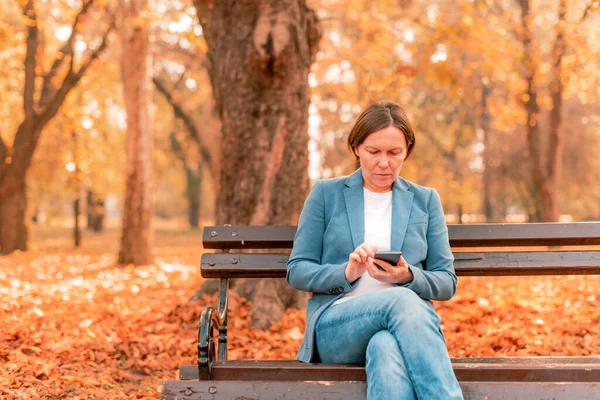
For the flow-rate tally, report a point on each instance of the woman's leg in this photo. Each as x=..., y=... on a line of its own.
x=387, y=376
x=344, y=331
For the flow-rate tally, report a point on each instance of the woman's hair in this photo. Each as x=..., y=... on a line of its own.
x=379, y=116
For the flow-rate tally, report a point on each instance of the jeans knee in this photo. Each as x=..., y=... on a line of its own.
x=412, y=310
x=382, y=349
x=405, y=295
x=405, y=300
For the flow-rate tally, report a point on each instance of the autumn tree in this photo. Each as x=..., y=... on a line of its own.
x=193, y=168
x=428, y=65
x=258, y=60
x=546, y=146
x=136, y=236
x=44, y=92
x=183, y=90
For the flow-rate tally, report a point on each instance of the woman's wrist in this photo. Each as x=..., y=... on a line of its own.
x=349, y=275
x=406, y=278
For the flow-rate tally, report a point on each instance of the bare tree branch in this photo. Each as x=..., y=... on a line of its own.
x=73, y=78
x=445, y=153
x=556, y=139
x=182, y=55
x=188, y=122
x=586, y=12
x=178, y=81
x=30, y=60
x=177, y=149
x=67, y=50
x=96, y=53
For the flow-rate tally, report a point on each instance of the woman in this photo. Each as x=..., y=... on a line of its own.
x=359, y=313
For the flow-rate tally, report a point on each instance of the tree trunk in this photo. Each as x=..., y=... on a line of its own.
x=556, y=138
x=193, y=180
x=259, y=55
x=15, y=160
x=485, y=119
x=190, y=125
x=193, y=177
x=95, y=212
x=136, y=237
x=13, y=207
x=546, y=174
x=533, y=110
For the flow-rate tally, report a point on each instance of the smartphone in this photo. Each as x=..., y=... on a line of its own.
x=391, y=257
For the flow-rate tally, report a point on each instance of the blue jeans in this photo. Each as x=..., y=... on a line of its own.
x=397, y=335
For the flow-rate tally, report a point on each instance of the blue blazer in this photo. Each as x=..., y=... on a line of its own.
x=331, y=226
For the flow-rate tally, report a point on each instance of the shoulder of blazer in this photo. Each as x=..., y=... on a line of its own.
x=420, y=191
x=333, y=184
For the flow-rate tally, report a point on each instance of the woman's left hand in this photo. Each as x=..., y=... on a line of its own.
x=399, y=274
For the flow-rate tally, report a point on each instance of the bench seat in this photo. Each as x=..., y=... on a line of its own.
x=501, y=369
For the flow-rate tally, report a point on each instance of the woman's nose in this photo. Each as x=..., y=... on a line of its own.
x=383, y=161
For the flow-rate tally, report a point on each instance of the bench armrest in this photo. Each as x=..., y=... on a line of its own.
x=213, y=320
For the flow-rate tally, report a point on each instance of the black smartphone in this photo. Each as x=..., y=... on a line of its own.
x=391, y=257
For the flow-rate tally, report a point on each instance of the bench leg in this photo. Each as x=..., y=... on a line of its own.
x=212, y=320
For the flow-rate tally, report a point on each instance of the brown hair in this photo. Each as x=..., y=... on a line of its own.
x=379, y=116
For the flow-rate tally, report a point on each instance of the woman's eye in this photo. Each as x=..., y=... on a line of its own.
x=373, y=151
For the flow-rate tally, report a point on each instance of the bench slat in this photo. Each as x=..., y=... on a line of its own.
x=517, y=369
x=230, y=265
x=472, y=235
x=327, y=390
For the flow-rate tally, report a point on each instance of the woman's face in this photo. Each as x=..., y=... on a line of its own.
x=381, y=156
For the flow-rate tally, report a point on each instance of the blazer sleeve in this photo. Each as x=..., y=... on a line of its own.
x=437, y=280
x=304, y=269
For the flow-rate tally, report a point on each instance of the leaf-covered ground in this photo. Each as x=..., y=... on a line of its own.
x=73, y=325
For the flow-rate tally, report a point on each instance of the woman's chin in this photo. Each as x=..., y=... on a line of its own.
x=380, y=185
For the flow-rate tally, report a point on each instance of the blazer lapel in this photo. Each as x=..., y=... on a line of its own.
x=355, y=207
x=401, y=205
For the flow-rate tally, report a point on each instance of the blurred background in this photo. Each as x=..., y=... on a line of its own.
x=503, y=95
x=128, y=125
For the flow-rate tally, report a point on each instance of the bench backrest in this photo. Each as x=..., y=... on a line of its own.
x=479, y=250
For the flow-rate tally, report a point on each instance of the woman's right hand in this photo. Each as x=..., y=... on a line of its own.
x=358, y=261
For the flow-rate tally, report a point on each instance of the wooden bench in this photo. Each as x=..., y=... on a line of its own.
x=550, y=249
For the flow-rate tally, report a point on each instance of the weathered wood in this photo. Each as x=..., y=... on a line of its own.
x=332, y=390
x=251, y=237
x=512, y=369
x=475, y=235
x=230, y=265
x=528, y=234
x=534, y=360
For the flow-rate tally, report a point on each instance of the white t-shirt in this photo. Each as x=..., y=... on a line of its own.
x=378, y=233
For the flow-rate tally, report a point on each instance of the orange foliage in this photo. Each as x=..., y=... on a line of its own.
x=74, y=325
